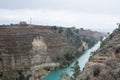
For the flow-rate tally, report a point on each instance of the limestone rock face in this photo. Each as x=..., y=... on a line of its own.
x=29, y=52
x=25, y=51
x=39, y=48
x=104, y=64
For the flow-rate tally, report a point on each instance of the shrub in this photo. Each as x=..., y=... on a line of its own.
x=78, y=53
x=60, y=30
x=96, y=70
x=102, y=44
x=54, y=27
x=66, y=76
x=69, y=56
x=117, y=50
x=76, y=69
x=89, y=40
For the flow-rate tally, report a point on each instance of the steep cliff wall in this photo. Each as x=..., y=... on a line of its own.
x=104, y=64
x=28, y=52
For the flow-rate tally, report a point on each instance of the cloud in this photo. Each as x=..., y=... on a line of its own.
x=60, y=17
x=95, y=14
x=95, y=6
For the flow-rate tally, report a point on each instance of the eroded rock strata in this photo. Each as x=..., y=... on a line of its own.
x=28, y=52
x=104, y=64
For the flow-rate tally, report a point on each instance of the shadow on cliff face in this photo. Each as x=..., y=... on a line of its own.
x=1, y=75
x=22, y=76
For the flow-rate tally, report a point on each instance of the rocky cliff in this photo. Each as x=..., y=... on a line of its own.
x=104, y=64
x=27, y=52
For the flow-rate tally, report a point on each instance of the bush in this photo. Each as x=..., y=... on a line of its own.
x=76, y=69
x=65, y=76
x=102, y=44
x=54, y=27
x=69, y=33
x=118, y=29
x=69, y=56
x=96, y=70
x=60, y=30
x=74, y=38
x=78, y=53
x=91, y=41
x=117, y=50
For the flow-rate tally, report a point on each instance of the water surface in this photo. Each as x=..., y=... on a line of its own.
x=55, y=75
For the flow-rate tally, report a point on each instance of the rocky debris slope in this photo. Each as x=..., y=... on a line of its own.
x=30, y=51
x=104, y=64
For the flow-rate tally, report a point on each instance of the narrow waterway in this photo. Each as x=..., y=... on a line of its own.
x=55, y=75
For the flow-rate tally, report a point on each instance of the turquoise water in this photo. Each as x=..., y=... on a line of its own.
x=55, y=75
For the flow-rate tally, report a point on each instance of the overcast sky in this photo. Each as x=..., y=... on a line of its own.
x=100, y=15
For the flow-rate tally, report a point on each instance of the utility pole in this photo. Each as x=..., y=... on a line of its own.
x=30, y=21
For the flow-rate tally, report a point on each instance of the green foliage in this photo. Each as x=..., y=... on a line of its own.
x=101, y=38
x=76, y=69
x=60, y=30
x=118, y=29
x=89, y=40
x=78, y=53
x=69, y=33
x=102, y=44
x=76, y=72
x=54, y=27
x=73, y=37
x=78, y=41
x=66, y=76
x=93, y=53
x=11, y=75
x=77, y=31
x=21, y=76
x=96, y=70
x=82, y=29
x=69, y=56
x=1, y=58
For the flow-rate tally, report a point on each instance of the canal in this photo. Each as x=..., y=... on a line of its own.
x=55, y=75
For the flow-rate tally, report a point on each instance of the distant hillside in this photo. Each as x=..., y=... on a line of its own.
x=33, y=50
x=104, y=64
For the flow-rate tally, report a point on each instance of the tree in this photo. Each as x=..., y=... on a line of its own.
x=82, y=29
x=69, y=56
x=76, y=72
x=66, y=76
x=60, y=30
x=76, y=69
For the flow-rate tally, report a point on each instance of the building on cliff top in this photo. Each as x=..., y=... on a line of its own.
x=23, y=23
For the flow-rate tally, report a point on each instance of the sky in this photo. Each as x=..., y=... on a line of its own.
x=99, y=15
